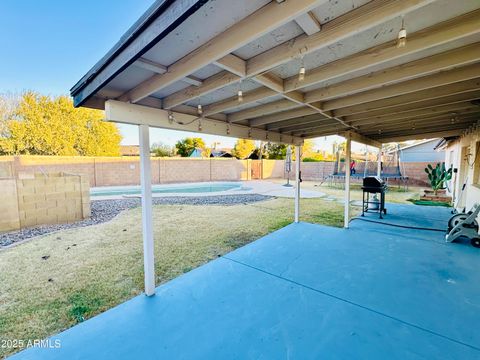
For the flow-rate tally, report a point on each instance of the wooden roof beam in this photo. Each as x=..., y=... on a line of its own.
x=122, y=112
x=420, y=123
x=232, y=63
x=451, y=30
x=420, y=105
x=335, y=130
x=261, y=22
x=418, y=97
x=278, y=117
x=423, y=124
x=318, y=127
x=432, y=111
x=363, y=18
x=426, y=82
x=213, y=83
x=309, y=23
x=421, y=135
x=465, y=55
x=296, y=121
x=269, y=80
x=448, y=31
x=306, y=124
x=232, y=102
x=413, y=98
x=269, y=108
x=161, y=69
x=354, y=136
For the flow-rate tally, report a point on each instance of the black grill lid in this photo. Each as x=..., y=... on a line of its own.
x=373, y=182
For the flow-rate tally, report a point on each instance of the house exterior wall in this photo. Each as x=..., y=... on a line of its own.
x=422, y=153
x=464, y=155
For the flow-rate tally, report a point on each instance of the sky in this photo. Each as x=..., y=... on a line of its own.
x=47, y=46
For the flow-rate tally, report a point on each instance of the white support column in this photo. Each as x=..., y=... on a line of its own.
x=348, y=151
x=379, y=162
x=298, y=153
x=147, y=217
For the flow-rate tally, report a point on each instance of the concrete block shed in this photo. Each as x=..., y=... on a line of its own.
x=284, y=71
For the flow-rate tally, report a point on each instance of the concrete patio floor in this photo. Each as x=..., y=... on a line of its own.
x=305, y=292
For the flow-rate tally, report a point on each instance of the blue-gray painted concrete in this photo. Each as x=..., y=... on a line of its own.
x=305, y=292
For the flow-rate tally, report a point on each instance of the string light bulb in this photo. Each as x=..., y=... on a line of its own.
x=228, y=128
x=199, y=109
x=402, y=36
x=240, y=96
x=301, y=73
x=200, y=125
x=453, y=118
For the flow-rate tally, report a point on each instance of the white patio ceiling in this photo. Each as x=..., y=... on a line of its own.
x=182, y=54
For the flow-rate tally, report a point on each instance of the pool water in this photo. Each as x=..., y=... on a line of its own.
x=169, y=189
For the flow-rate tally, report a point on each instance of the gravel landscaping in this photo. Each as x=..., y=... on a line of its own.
x=105, y=210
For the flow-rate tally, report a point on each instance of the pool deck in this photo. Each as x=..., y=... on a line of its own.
x=306, y=291
x=261, y=187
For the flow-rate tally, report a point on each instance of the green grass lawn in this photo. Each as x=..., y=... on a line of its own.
x=54, y=281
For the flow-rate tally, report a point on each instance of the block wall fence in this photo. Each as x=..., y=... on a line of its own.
x=40, y=199
x=111, y=171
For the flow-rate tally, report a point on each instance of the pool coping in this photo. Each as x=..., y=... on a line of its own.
x=261, y=187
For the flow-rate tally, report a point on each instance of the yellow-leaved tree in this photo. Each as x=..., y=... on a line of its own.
x=44, y=125
x=243, y=148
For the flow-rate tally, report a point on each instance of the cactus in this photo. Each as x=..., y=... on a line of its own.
x=438, y=176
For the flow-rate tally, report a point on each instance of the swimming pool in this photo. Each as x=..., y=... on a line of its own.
x=170, y=189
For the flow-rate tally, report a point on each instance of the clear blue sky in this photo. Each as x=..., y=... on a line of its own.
x=48, y=45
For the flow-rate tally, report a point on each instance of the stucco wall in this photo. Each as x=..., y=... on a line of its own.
x=462, y=154
x=423, y=153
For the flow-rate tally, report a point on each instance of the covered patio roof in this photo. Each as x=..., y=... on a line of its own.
x=288, y=70
x=184, y=54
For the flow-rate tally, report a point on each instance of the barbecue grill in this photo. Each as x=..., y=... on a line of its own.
x=374, y=185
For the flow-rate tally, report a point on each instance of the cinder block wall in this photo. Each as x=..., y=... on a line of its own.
x=230, y=170
x=316, y=170
x=9, y=219
x=272, y=169
x=111, y=171
x=416, y=173
x=40, y=199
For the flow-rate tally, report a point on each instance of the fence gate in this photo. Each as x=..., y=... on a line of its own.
x=256, y=169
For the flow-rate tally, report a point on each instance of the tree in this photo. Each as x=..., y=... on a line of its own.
x=308, y=148
x=276, y=151
x=44, y=125
x=279, y=151
x=186, y=146
x=243, y=148
x=162, y=150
